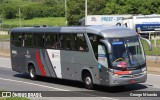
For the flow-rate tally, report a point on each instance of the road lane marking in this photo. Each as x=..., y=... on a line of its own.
x=54, y=88
x=6, y=67
x=108, y=98
x=4, y=79
x=154, y=75
x=147, y=74
x=33, y=84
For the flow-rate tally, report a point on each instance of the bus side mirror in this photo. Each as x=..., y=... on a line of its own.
x=109, y=49
x=148, y=42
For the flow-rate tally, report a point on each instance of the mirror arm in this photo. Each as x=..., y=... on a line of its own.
x=108, y=45
x=149, y=43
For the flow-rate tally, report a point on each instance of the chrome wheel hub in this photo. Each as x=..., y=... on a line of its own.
x=88, y=80
x=32, y=73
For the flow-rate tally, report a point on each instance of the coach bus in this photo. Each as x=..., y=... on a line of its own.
x=102, y=55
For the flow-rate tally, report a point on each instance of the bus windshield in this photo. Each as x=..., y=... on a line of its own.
x=127, y=53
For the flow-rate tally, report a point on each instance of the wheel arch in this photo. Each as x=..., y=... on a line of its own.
x=87, y=70
x=29, y=64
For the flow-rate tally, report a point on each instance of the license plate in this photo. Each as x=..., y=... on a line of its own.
x=132, y=81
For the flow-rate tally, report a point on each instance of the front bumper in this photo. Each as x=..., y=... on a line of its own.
x=117, y=80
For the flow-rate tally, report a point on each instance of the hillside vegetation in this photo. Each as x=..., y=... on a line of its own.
x=30, y=9
x=49, y=21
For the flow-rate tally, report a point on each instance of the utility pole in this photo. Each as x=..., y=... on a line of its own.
x=65, y=9
x=0, y=21
x=19, y=17
x=85, y=12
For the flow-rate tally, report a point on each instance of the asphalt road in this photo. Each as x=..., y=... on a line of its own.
x=71, y=90
x=4, y=45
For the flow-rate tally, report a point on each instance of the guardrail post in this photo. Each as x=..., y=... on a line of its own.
x=149, y=36
x=1, y=44
x=155, y=40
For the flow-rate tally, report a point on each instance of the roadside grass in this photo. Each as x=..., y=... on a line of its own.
x=155, y=51
x=49, y=21
x=4, y=36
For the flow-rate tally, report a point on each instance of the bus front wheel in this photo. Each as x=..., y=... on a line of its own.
x=87, y=79
x=32, y=72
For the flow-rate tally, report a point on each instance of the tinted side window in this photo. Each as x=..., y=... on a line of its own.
x=75, y=42
x=94, y=40
x=16, y=39
x=51, y=40
x=80, y=43
x=65, y=41
x=27, y=40
x=38, y=40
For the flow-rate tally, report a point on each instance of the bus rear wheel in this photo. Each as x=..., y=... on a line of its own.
x=32, y=72
x=87, y=79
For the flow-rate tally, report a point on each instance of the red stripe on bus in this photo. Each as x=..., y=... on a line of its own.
x=40, y=64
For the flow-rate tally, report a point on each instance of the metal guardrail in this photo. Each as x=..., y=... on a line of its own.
x=4, y=29
x=4, y=39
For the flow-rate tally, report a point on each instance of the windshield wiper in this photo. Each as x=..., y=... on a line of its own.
x=131, y=56
x=131, y=59
x=139, y=66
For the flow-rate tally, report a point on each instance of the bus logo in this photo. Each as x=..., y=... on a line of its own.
x=6, y=94
x=52, y=55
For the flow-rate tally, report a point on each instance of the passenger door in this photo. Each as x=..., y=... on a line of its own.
x=102, y=64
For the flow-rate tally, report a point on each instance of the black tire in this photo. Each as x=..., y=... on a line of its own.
x=32, y=72
x=88, y=82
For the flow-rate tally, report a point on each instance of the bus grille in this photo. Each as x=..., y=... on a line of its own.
x=131, y=76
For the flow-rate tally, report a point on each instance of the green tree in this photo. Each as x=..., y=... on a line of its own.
x=154, y=6
x=9, y=12
x=95, y=7
x=30, y=12
x=57, y=7
x=75, y=11
x=131, y=7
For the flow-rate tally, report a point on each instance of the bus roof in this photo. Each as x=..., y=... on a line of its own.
x=112, y=31
x=105, y=31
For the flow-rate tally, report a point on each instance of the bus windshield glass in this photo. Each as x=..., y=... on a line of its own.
x=127, y=53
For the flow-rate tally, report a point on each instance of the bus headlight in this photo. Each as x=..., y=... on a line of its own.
x=144, y=69
x=115, y=75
